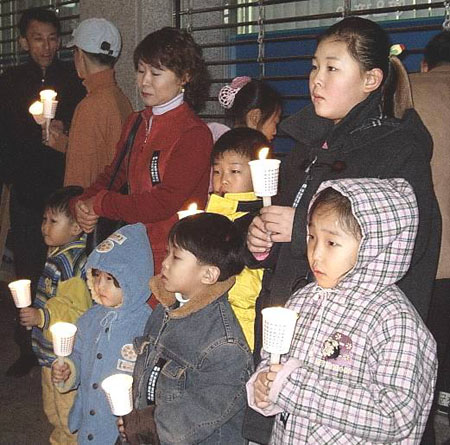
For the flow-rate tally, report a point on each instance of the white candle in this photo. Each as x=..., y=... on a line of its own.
x=265, y=176
x=191, y=210
x=36, y=108
x=47, y=95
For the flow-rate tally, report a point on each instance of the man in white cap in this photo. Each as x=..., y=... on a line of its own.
x=98, y=118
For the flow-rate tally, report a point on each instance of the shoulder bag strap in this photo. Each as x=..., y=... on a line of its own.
x=126, y=149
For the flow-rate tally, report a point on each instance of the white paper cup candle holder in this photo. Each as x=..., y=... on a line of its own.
x=278, y=330
x=21, y=293
x=118, y=390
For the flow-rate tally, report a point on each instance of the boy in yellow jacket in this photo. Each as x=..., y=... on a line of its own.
x=233, y=197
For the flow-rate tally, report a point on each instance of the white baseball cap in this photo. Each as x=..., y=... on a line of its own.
x=97, y=36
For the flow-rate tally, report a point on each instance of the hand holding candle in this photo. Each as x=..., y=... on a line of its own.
x=63, y=336
x=49, y=104
x=278, y=330
x=265, y=176
x=21, y=293
x=191, y=210
x=118, y=390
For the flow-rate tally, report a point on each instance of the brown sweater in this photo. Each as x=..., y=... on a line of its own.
x=96, y=128
x=431, y=96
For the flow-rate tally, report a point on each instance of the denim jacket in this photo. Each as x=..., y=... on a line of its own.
x=204, y=363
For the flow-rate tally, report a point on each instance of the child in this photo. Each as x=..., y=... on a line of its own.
x=173, y=81
x=362, y=364
x=233, y=197
x=61, y=296
x=118, y=271
x=252, y=103
x=193, y=362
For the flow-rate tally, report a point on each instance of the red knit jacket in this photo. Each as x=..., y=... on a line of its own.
x=168, y=168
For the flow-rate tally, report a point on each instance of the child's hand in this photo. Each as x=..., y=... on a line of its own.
x=263, y=384
x=29, y=316
x=279, y=221
x=121, y=427
x=258, y=238
x=60, y=373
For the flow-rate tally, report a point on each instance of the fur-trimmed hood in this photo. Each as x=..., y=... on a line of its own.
x=167, y=299
x=386, y=210
x=127, y=256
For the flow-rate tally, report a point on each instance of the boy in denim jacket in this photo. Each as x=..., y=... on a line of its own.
x=193, y=360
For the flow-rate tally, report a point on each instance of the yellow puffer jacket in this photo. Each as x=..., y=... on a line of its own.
x=242, y=296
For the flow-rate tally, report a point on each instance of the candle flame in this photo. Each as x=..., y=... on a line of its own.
x=36, y=108
x=263, y=153
x=47, y=95
x=192, y=207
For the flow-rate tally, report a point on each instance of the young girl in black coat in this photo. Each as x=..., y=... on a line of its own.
x=356, y=126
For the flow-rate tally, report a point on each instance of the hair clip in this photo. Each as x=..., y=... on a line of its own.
x=228, y=92
x=397, y=49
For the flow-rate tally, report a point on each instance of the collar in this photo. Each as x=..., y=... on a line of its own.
x=102, y=79
x=79, y=243
x=309, y=129
x=164, y=108
x=167, y=299
x=37, y=70
x=231, y=203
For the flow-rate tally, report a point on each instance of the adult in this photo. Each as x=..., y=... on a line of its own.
x=99, y=117
x=169, y=165
x=351, y=129
x=32, y=168
x=431, y=96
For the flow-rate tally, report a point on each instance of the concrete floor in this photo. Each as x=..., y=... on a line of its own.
x=22, y=421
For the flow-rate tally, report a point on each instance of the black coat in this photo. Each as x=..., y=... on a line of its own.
x=363, y=144
x=34, y=169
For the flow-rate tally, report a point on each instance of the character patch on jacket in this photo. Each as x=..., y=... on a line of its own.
x=127, y=362
x=108, y=244
x=154, y=168
x=336, y=350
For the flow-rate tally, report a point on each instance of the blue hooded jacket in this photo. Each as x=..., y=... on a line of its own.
x=104, y=341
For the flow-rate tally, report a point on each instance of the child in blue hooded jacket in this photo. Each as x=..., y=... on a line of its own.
x=118, y=271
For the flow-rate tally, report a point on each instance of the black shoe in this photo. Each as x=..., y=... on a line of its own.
x=22, y=366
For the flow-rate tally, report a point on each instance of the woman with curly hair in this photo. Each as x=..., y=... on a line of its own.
x=167, y=166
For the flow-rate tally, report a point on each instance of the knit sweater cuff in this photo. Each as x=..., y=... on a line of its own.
x=45, y=319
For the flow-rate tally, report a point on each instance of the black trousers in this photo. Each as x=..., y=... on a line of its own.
x=29, y=252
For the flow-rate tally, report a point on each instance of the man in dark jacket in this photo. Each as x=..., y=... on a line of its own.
x=33, y=169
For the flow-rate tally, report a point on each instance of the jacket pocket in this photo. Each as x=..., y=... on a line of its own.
x=172, y=382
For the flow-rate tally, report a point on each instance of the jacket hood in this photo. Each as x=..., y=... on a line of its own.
x=127, y=256
x=386, y=210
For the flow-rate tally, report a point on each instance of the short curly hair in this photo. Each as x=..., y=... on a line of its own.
x=176, y=50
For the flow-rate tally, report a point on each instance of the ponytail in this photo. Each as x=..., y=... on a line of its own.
x=396, y=90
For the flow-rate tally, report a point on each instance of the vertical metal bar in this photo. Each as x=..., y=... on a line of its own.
x=347, y=7
x=176, y=14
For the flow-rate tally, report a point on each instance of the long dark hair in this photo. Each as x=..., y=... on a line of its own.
x=176, y=50
x=369, y=44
